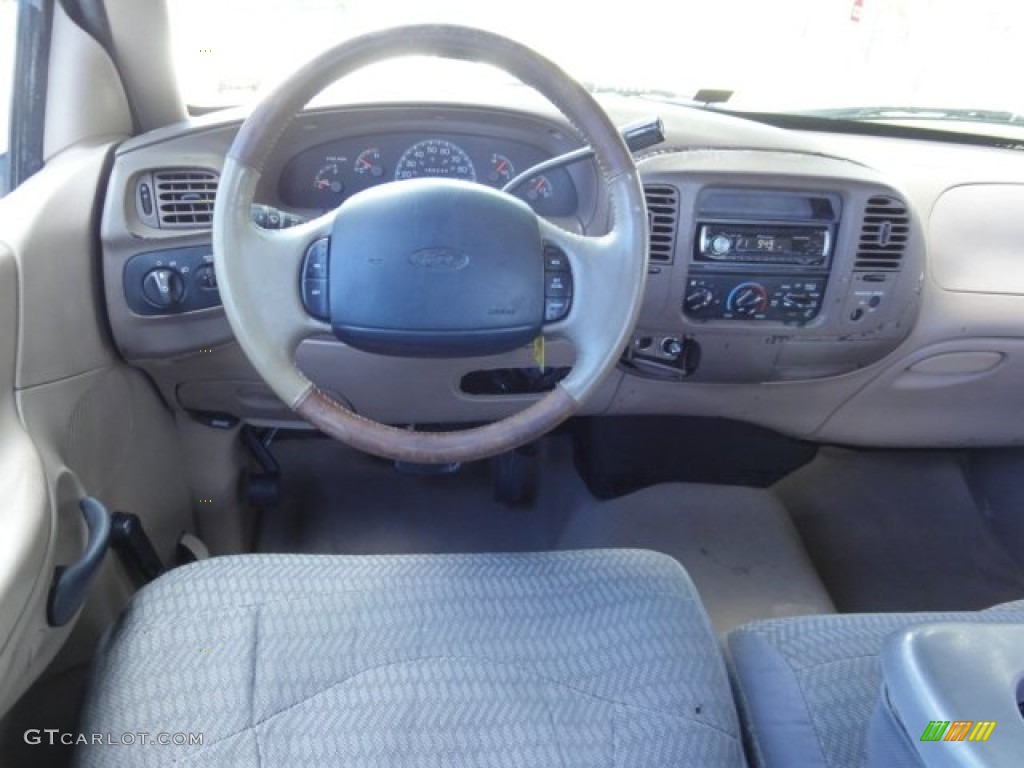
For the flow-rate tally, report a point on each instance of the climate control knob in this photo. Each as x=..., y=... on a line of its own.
x=747, y=300
x=698, y=298
x=163, y=287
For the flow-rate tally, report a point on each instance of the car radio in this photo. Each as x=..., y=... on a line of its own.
x=756, y=243
x=761, y=255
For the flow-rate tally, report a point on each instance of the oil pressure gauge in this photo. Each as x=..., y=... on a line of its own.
x=328, y=180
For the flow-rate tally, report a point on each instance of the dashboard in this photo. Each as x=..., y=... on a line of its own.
x=793, y=277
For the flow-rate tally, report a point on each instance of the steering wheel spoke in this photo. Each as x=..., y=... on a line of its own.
x=605, y=282
x=267, y=272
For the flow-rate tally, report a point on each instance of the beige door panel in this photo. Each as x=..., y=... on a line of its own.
x=24, y=516
x=74, y=421
x=48, y=224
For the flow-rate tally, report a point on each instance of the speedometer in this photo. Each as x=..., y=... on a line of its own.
x=435, y=158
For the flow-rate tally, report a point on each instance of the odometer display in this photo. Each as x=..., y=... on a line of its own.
x=435, y=158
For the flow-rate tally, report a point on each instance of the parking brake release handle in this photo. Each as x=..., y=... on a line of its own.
x=71, y=582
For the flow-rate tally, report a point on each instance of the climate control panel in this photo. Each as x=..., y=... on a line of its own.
x=779, y=298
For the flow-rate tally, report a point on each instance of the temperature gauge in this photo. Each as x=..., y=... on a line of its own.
x=328, y=180
x=368, y=163
x=501, y=170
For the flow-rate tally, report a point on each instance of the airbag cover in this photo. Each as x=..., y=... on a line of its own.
x=436, y=267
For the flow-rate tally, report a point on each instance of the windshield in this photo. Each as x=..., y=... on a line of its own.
x=897, y=60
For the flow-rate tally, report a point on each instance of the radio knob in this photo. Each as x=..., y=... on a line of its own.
x=698, y=299
x=720, y=244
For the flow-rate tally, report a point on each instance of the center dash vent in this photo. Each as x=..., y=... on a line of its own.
x=884, y=235
x=184, y=197
x=663, y=216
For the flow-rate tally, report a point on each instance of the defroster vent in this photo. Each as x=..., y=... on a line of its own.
x=884, y=234
x=663, y=215
x=184, y=197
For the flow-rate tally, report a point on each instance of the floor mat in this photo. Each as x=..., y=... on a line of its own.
x=335, y=499
x=737, y=543
x=898, y=531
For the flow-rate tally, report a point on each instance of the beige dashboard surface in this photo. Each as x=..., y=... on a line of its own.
x=977, y=232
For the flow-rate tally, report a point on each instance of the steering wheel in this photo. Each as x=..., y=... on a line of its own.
x=429, y=267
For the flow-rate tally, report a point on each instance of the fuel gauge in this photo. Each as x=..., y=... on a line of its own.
x=538, y=188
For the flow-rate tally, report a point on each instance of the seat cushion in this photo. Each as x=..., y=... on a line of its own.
x=807, y=686
x=573, y=658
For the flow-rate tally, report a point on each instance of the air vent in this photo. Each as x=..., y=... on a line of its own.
x=662, y=213
x=884, y=236
x=184, y=197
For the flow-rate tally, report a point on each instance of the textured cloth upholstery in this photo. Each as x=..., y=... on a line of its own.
x=598, y=658
x=807, y=686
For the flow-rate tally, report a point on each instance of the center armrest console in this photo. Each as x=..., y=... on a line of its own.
x=952, y=694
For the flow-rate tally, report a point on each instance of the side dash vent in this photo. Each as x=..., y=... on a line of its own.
x=663, y=216
x=884, y=234
x=184, y=197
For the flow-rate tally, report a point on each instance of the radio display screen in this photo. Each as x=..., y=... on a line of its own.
x=765, y=243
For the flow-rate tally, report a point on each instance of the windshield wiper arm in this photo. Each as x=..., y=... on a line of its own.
x=995, y=116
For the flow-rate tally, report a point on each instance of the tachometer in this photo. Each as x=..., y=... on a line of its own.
x=435, y=158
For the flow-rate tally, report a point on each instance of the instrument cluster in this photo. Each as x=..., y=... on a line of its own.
x=323, y=177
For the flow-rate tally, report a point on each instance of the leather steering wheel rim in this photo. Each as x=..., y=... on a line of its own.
x=263, y=305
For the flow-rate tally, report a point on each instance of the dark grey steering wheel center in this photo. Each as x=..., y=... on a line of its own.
x=436, y=267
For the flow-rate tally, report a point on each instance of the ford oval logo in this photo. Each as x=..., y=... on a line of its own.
x=445, y=259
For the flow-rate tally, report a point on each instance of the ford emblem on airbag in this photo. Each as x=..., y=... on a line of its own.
x=447, y=259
